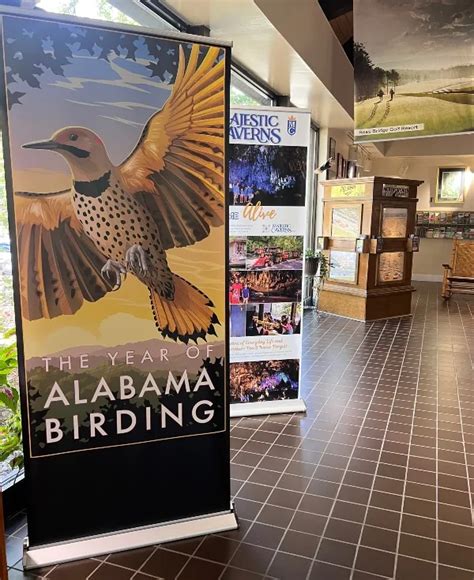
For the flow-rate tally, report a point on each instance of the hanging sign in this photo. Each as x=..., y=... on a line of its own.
x=348, y=190
x=267, y=177
x=119, y=233
x=394, y=190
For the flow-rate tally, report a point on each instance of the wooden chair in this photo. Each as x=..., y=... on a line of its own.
x=459, y=276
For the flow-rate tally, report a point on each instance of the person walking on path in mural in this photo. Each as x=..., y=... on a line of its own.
x=392, y=94
x=380, y=95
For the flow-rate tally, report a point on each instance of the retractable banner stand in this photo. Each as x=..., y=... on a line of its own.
x=115, y=145
x=267, y=177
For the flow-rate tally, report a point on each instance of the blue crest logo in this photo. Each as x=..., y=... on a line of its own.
x=291, y=126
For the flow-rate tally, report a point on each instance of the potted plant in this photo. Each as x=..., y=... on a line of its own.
x=311, y=263
x=11, y=448
x=323, y=274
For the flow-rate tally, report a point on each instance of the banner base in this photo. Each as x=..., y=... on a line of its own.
x=267, y=408
x=128, y=540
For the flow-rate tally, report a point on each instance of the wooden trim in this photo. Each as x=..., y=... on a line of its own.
x=354, y=291
x=3, y=548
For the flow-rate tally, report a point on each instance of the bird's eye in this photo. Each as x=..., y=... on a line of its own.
x=73, y=137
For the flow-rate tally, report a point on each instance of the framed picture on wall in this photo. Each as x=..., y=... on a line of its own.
x=332, y=148
x=339, y=166
x=450, y=185
x=330, y=173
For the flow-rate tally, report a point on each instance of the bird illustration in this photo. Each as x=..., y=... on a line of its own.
x=78, y=244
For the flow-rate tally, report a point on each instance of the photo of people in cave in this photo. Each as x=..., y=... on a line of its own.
x=264, y=380
x=275, y=253
x=265, y=319
x=268, y=286
x=269, y=174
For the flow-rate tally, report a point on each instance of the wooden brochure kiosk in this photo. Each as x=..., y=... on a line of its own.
x=368, y=233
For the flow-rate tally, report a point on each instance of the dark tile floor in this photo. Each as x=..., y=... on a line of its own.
x=375, y=481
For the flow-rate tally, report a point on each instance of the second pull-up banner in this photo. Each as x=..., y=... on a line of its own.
x=267, y=186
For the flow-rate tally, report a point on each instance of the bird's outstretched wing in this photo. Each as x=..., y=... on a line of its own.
x=177, y=167
x=59, y=265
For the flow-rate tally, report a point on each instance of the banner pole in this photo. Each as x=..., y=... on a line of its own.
x=3, y=548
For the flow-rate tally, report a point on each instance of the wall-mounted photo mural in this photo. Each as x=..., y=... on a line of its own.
x=414, y=68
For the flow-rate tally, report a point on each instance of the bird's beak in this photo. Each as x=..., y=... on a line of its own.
x=51, y=145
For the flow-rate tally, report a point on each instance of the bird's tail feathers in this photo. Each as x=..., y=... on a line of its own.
x=188, y=316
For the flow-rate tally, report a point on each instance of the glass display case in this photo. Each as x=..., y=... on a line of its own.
x=343, y=266
x=394, y=222
x=368, y=233
x=345, y=222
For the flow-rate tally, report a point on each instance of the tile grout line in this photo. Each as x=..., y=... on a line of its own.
x=462, y=422
x=361, y=427
x=412, y=322
x=144, y=562
x=366, y=335
x=263, y=505
x=353, y=392
x=387, y=356
x=437, y=447
x=415, y=403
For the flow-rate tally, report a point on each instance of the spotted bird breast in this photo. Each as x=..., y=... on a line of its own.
x=115, y=221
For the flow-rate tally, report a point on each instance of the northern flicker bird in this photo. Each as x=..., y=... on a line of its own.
x=78, y=244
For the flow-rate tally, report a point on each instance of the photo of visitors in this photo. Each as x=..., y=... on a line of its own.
x=265, y=319
x=271, y=175
x=235, y=290
x=273, y=319
x=268, y=286
x=275, y=253
x=264, y=381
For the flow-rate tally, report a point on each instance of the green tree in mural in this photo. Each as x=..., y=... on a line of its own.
x=364, y=67
x=370, y=78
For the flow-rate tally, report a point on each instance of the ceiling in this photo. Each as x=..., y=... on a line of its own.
x=340, y=16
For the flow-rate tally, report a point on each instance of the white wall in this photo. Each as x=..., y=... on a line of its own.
x=343, y=142
x=433, y=252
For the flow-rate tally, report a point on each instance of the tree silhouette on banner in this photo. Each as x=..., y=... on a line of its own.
x=38, y=47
